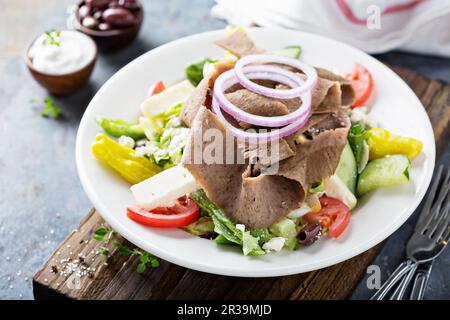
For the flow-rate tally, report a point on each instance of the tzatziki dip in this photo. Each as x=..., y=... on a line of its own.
x=61, y=52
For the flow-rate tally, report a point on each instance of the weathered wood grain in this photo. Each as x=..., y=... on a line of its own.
x=119, y=279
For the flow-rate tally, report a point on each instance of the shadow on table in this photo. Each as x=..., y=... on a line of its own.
x=73, y=106
x=117, y=60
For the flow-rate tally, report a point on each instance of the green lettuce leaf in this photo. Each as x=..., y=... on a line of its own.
x=357, y=137
x=194, y=72
x=225, y=227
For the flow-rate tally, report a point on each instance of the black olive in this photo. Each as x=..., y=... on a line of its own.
x=104, y=27
x=119, y=17
x=129, y=4
x=84, y=11
x=309, y=234
x=209, y=235
x=99, y=4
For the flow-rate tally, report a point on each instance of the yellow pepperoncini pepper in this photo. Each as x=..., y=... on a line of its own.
x=123, y=160
x=382, y=143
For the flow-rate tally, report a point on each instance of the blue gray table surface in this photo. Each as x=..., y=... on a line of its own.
x=41, y=198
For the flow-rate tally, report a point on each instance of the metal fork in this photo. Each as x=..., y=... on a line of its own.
x=421, y=272
x=400, y=290
x=430, y=235
x=421, y=281
x=422, y=275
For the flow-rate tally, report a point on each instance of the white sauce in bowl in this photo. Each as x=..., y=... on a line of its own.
x=74, y=52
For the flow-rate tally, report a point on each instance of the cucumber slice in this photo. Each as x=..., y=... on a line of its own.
x=388, y=171
x=290, y=51
x=346, y=169
x=364, y=157
x=285, y=228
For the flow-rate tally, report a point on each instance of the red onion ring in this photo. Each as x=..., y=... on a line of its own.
x=256, y=137
x=309, y=71
x=228, y=79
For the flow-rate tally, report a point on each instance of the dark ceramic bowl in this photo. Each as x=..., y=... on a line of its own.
x=111, y=40
x=62, y=84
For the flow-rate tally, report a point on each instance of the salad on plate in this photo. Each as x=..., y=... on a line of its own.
x=255, y=149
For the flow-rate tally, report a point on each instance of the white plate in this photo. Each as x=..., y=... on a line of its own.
x=376, y=217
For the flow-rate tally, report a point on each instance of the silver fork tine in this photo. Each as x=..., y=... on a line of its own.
x=444, y=225
x=444, y=208
x=437, y=213
x=446, y=238
x=439, y=225
x=445, y=186
x=427, y=223
x=431, y=195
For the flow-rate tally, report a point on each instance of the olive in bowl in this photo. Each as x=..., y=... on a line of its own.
x=113, y=24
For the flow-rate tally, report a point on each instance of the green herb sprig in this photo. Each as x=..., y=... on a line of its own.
x=47, y=107
x=103, y=234
x=52, y=37
x=145, y=259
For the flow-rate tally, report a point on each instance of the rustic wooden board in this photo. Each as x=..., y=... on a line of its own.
x=116, y=277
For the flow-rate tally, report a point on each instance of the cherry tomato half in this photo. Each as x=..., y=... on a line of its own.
x=334, y=215
x=362, y=82
x=158, y=87
x=184, y=212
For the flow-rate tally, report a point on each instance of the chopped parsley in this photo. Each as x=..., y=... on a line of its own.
x=52, y=38
x=47, y=107
x=145, y=259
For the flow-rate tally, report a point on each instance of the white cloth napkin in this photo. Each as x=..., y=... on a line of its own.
x=375, y=26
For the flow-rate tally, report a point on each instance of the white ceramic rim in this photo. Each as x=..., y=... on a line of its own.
x=377, y=237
